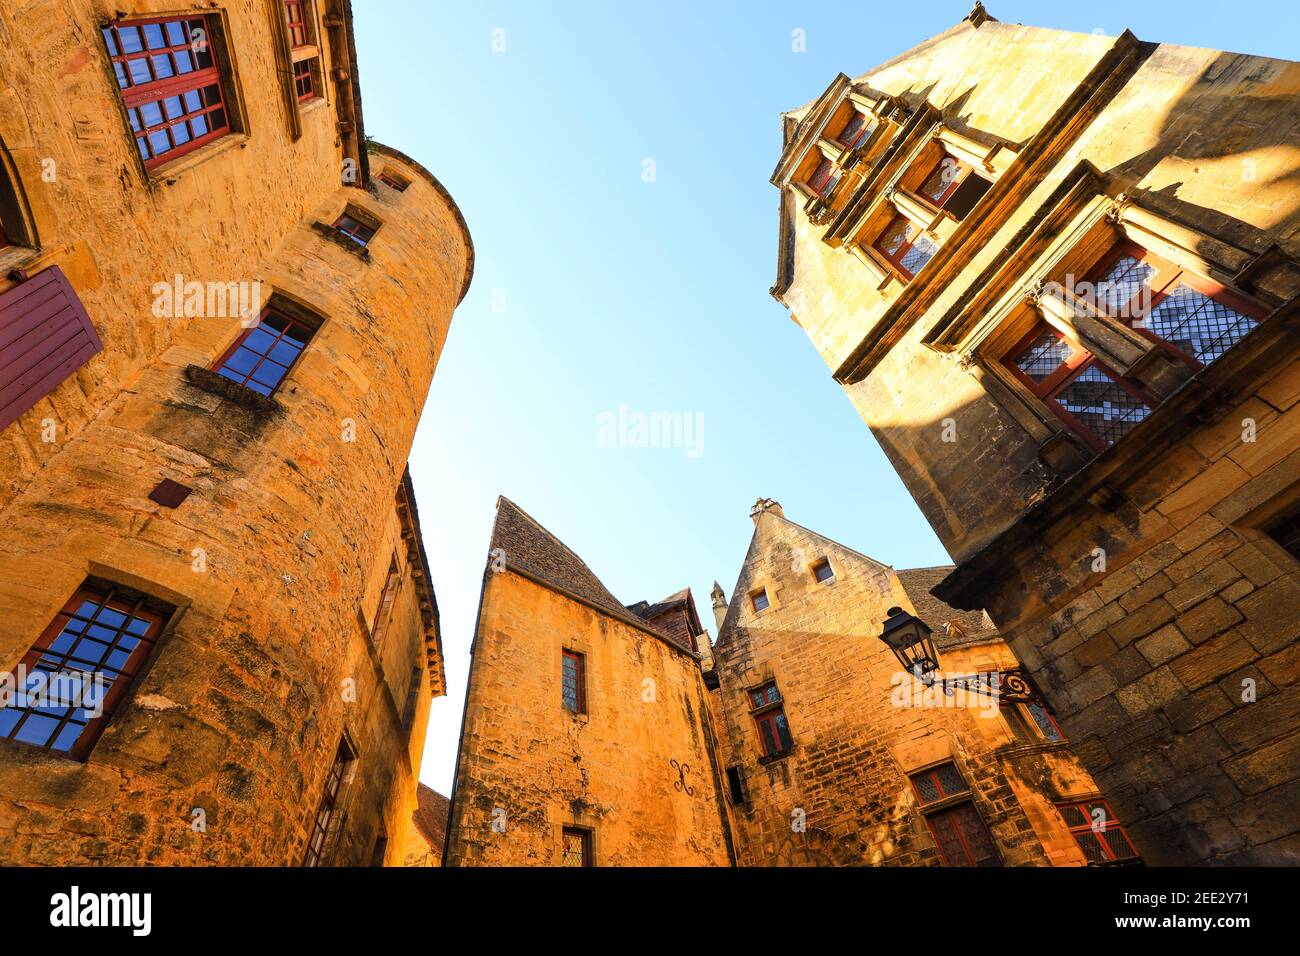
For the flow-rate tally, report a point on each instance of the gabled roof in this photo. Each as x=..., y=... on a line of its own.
x=430, y=816
x=973, y=625
x=675, y=615
x=529, y=549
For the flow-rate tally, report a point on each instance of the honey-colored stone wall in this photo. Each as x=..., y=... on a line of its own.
x=532, y=767
x=841, y=796
x=276, y=559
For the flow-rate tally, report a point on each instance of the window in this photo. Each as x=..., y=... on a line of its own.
x=1193, y=319
x=954, y=187
x=823, y=571
x=1097, y=831
x=573, y=682
x=394, y=180
x=354, y=228
x=169, y=79
x=736, y=786
x=1032, y=723
x=576, y=848
x=1286, y=532
x=262, y=356
x=329, y=799
x=383, y=609
x=302, y=50
x=856, y=130
x=760, y=601
x=79, y=668
x=905, y=245
x=958, y=829
x=823, y=178
x=769, y=717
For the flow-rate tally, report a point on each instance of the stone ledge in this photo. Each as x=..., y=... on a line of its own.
x=336, y=237
x=231, y=391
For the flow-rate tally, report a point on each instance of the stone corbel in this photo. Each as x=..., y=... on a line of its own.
x=880, y=272
x=970, y=151
x=923, y=213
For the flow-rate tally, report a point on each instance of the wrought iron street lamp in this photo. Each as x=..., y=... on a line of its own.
x=909, y=638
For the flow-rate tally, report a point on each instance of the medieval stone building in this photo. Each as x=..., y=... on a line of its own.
x=1057, y=275
x=601, y=734
x=220, y=313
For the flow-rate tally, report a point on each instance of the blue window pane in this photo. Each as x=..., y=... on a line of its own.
x=138, y=70
x=199, y=125
x=67, y=737
x=63, y=642
x=180, y=133
x=153, y=36
x=242, y=362
x=143, y=147
x=137, y=626
x=184, y=62
x=162, y=66
x=122, y=81
x=130, y=39
x=285, y=351
x=269, y=373
x=175, y=33
x=258, y=387
x=92, y=652
x=192, y=101
x=9, y=720
x=110, y=617
x=118, y=658
x=151, y=113
x=259, y=339
x=173, y=107
x=36, y=730
x=110, y=41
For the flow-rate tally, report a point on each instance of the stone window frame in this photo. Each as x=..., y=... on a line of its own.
x=766, y=595
x=825, y=561
x=238, y=129
x=766, y=713
x=1027, y=729
x=387, y=599
x=948, y=801
x=19, y=241
x=161, y=617
x=899, y=197
x=393, y=179
x=1091, y=228
x=290, y=55
x=737, y=791
x=1259, y=525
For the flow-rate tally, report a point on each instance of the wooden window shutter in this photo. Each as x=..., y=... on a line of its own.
x=45, y=336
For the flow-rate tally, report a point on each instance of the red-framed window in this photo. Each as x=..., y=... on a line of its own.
x=295, y=15
x=953, y=186
x=573, y=682
x=576, y=850
x=303, y=82
x=1033, y=723
x=823, y=177
x=962, y=837
x=262, y=356
x=78, y=670
x=855, y=131
x=169, y=78
x=1194, y=319
x=1097, y=831
x=905, y=245
x=958, y=828
x=328, y=806
x=394, y=181
x=359, y=232
x=768, y=709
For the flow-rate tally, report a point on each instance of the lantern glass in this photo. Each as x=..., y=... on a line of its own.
x=909, y=638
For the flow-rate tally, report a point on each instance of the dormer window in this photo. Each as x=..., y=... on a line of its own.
x=905, y=245
x=954, y=187
x=856, y=130
x=824, y=177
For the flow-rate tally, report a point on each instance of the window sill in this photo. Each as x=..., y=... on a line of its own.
x=1020, y=749
x=339, y=239
x=166, y=173
x=311, y=105
x=774, y=758
x=233, y=392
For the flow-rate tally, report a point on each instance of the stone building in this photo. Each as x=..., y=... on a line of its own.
x=1057, y=276
x=585, y=738
x=221, y=311
x=593, y=733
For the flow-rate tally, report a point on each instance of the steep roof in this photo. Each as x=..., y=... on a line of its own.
x=531, y=550
x=675, y=615
x=917, y=582
x=430, y=816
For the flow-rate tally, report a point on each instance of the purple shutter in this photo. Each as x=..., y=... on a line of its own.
x=45, y=336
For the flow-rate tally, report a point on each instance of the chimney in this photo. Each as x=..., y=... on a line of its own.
x=719, y=605
x=765, y=504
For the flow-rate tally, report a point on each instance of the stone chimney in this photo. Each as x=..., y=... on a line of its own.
x=765, y=504
x=719, y=605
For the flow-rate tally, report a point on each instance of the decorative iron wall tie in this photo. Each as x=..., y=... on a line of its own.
x=680, y=784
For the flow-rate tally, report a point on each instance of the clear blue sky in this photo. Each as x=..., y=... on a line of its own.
x=651, y=295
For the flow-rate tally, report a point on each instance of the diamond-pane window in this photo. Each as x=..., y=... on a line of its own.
x=1044, y=355
x=920, y=252
x=576, y=849
x=1199, y=325
x=1102, y=405
x=905, y=245
x=823, y=177
x=1097, y=831
x=573, y=691
x=326, y=810
x=1118, y=285
x=939, y=783
x=855, y=131
x=962, y=837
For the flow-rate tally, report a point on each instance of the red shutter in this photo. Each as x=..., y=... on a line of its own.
x=45, y=336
